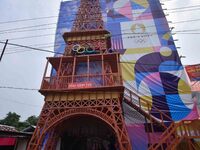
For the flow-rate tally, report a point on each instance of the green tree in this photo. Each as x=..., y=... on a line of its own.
x=32, y=120
x=11, y=119
x=22, y=125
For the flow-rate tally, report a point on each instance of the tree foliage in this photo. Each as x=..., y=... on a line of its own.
x=32, y=120
x=13, y=119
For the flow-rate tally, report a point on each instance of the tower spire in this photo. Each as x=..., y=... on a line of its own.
x=89, y=16
x=88, y=31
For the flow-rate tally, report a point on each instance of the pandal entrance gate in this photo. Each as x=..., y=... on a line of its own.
x=83, y=94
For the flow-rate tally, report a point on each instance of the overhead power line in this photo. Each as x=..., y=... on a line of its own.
x=55, y=27
x=18, y=102
x=184, y=7
x=18, y=88
x=27, y=30
x=55, y=16
x=159, y=33
x=31, y=89
x=28, y=37
x=33, y=48
x=41, y=44
x=27, y=27
x=183, y=10
x=76, y=14
x=28, y=19
x=20, y=51
x=62, y=54
x=61, y=43
x=41, y=25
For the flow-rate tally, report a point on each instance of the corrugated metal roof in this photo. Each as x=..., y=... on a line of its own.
x=7, y=128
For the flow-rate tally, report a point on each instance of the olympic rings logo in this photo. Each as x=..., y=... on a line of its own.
x=86, y=49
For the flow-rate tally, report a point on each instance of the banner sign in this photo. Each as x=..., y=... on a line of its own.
x=149, y=60
x=193, y=72
x=80, y=85
x=150, y=63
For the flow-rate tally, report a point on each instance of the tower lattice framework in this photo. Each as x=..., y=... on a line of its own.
x=70, y=93
x=89, y=17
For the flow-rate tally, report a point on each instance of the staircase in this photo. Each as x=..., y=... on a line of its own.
x=144, y=107
x=176, y=132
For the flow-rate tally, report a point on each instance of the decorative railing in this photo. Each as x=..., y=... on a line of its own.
x=176, y=132
x=81, y=81
x=146, y=108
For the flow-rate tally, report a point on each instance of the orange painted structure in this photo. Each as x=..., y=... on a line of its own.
x=83, y=107
x=73, y=100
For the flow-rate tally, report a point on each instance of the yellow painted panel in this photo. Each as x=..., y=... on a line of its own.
x=139, y=50
x=78, y=38
x=63, y=97
x=78, y=96
x=100, y=95
x=81, y=96
x=49, y=98
x=88, y=37
x=143, y=3
x=166, y=36
x=85, y=96
x=183, y=87
x=144, y=104
x=108, y=95
x=127, y=71
x=92, y=96
x=115, y=95
x=69, y=39
x=83, y=38
x=56, y=97
x=70, y=96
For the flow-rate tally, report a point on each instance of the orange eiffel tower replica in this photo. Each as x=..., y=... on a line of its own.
x=84, y=91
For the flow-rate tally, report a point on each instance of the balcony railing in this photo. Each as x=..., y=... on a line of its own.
x=81, y=81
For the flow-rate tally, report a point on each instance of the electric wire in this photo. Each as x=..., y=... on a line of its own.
x=40, y=48
x=46, y=35
x=18, y=102
x=184, y=7
x=183, y=21
x=55, y=16
x=28, y=19
x=178, y=65
x=41, y=44
x=121, y=30
x=36, y=49
x=156, y=103
x=22, y=88
x=18, y=88
x=26, y=27
x=6, y=32
x=20, y=51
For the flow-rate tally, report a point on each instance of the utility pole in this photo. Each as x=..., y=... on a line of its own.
x=4, y=48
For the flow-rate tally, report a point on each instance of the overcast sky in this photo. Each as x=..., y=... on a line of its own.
x=25, y=69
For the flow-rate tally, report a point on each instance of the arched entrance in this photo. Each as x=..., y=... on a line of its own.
x=82, y=133
x=85, y=133
x=58, y=117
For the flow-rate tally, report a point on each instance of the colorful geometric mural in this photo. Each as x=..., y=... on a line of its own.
x=149, y=59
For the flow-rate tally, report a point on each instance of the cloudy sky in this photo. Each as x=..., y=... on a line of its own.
x=24, y=68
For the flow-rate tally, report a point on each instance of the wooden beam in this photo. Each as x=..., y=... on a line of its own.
x=45, y=72
x=74, y=69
